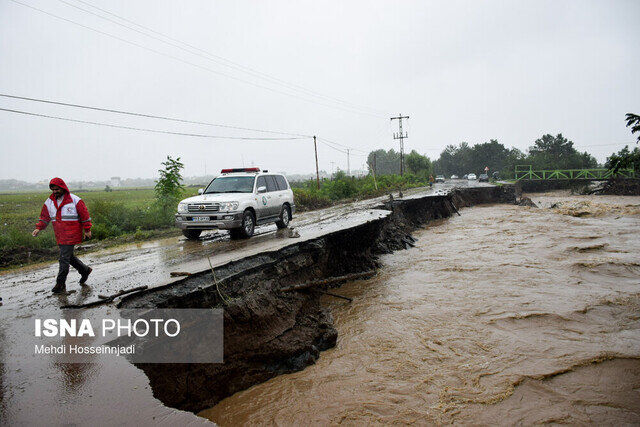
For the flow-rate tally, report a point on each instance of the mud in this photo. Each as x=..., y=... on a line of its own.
x=612, y=187
x=24, y=255
x=622, y=187
x=268, y=332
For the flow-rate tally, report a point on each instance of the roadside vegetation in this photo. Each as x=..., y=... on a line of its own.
x=342, y=187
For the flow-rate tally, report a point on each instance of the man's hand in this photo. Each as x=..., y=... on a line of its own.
x=87, y=234
x=35, y=232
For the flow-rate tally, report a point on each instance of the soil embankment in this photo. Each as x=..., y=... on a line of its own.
x=269, y=332
x=613, y=187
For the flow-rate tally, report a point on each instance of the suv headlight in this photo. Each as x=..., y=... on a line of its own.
x=228, y=206
x=182, y=208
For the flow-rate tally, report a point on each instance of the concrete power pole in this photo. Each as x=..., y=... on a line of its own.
x=348, y=164
x=315, y=147
x=401, y=136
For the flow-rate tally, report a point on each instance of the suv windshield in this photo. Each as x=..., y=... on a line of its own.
x=231, y=184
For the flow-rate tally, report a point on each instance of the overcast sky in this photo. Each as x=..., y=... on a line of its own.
x=463, y=70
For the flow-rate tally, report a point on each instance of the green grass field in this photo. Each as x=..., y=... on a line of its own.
x=113, y=214
x=23, y=209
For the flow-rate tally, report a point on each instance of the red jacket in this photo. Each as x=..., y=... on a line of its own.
x=69, y=218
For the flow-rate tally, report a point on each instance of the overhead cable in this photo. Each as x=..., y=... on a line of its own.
x=129, y=113
x=327, y=142
x=192, y=63
x=195, y=135
x=209, y=56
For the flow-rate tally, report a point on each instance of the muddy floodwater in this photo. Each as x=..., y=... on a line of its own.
x=506, y=314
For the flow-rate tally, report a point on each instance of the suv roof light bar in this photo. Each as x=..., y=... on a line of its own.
x=240, y=170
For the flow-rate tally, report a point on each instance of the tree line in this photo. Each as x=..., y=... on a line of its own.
x=547, y=152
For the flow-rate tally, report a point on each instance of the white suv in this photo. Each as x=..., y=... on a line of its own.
x=237, y=200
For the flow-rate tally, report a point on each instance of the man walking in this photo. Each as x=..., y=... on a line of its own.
x=71, y=221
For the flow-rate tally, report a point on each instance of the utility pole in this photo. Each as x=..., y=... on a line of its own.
x=348, y=165
x=401, y=136
x=315, y=147
x=374, y=164
x=373, y=170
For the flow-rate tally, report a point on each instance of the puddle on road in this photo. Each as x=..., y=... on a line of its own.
x=504, y=315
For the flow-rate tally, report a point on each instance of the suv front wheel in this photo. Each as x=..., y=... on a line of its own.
x=285, y=215
x=247, y=228
x=191, y=234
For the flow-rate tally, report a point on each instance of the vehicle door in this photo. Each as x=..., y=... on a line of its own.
x=283, y=190
x=273, y=199
x=262, y=207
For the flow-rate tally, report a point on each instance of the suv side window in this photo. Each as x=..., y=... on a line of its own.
x=271, y=183
x=282, y=183
x=261, y=182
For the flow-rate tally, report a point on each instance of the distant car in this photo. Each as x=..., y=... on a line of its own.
x=472, y=176
x=454, y=176
x=483, y=177
x=440, y=178
x=496, y=175
x=465, y=176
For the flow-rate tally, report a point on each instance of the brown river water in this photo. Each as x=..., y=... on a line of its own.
x=504, y=315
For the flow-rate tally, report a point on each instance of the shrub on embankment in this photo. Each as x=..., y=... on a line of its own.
x=342, y=187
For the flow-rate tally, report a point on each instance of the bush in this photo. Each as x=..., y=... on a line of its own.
x=343, y=187
x=111, y=219
x=15, y=238
x=307, y=199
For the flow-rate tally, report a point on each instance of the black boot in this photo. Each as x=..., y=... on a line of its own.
x=59, y=289
x=85, y=276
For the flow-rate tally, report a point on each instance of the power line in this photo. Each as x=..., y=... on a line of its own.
x=329, y=143
x=331, y=146
x=341, y=145
x=192, y=63
x=196, y=135
x=209, y=56
x=129, y=113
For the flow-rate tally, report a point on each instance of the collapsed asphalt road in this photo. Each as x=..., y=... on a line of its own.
x=26, y=291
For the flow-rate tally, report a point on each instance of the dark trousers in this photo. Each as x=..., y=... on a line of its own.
x=68, y=258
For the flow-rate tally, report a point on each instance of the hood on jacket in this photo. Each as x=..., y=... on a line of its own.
x=60, y=183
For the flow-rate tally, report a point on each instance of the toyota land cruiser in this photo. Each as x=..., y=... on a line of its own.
x=237, y=200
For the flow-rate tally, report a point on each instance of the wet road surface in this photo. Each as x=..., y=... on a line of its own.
x=505, y=315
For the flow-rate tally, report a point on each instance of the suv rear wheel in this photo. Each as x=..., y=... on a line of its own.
x=191, y=234
x=285, y=215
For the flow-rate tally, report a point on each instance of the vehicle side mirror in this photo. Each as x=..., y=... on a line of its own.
x=262, y=189
x=200, y=190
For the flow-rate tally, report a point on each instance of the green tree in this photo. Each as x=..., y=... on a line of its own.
x=169, y=187
x=386, y=162
x=557, y=152
x=624, y=159
x=633, y=121
x=418, y=164
x=463, y=159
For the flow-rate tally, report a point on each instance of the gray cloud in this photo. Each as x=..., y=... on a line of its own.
x=464, y=71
